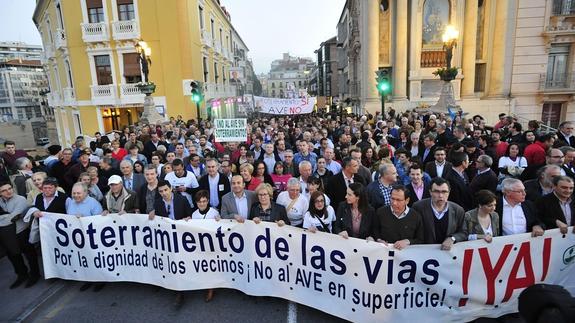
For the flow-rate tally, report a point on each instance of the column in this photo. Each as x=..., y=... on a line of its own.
x=400, y=51
x=369, y=55
x=469, y=44
x=501, y=55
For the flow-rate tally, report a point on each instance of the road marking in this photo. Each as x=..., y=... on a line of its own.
x=292, y=312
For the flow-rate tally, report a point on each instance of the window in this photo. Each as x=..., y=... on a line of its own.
x=563, y=7
x=480, y=29
x=480, y=70
x=69, y=71
x=103, y=69
x=551, y=114
x=126, y=10
x=213, y=31
x=77, y=124
x=201, y=14
x=557, y=62
x=132, y=72
x=95, y=11
x=216, y=72
x=205, y=65
x=59, y=12
x=273, y=85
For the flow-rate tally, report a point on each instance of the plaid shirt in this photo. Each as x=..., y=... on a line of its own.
x=386, y=192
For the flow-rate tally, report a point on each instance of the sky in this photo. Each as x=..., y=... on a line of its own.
x=268, y=27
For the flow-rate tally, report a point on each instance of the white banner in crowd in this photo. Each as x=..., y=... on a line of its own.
x=231, y=130
x=284, y=106
x=352, y=279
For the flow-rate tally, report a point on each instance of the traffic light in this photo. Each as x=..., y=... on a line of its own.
x=197, y=94
x=383, y=79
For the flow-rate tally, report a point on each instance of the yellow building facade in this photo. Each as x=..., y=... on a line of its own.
x=93, y=64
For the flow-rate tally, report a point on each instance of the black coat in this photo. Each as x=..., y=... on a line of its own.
x=278, y=212
x=484, y=181
x=562, y=141
x=413, y=197
x=182, y=207
x=149, y=148
x=460, y=192
x=529, y=211
x=431, y=169
x=58, y=204
x=549, y=210
x=223, y=187
x=430, y=156
x=533, y=189
x=142, y=197
x=336, y=188
x=343, y=221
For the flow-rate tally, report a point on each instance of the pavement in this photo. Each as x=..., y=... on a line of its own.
x=57, y=300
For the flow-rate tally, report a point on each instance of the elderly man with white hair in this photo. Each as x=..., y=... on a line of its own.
x=294, y=201
x=517, y=214
x=305, y=171
x=81, y=204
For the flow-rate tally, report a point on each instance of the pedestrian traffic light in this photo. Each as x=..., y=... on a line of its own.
x=383, y=79
x=197, y=94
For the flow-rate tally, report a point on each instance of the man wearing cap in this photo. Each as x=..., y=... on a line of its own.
x=54, y=151
x=119, y=199
x=74, y=172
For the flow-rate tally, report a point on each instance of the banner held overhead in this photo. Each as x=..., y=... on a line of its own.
x=284, y=106
x=231, y=130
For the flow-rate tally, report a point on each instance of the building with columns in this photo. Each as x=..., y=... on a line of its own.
x=505, y=50
x=93, y=64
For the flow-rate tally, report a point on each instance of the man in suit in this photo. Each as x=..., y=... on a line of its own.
x=459, y=182
x=543, y=184
x=152, y=145
x=427, y=149
x=132, y=181
x=362, y=171
x=565, y=135
x=379, y=192
x=485, y=179
x=438, y=167
x=237, y=203
x=443, y=221
x=175, y=207
x=337, y=184
x=215, y=183
x=516, y=214
x=557, y=210
x=568, y=161
x=417, y=189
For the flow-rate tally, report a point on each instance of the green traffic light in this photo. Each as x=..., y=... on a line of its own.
x=196, y=98
x=383, y=87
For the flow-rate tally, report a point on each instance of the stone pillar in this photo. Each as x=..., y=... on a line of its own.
x=400, y=51
x=501, y=56
x=469, y=47
x=150, y=114
x=370, y=52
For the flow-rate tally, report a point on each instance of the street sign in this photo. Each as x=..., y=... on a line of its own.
x=227, y=130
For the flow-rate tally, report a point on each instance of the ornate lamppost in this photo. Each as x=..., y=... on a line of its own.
x=446, y=103
x=150, y=114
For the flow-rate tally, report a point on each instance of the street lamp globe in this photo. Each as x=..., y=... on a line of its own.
x=450, y=34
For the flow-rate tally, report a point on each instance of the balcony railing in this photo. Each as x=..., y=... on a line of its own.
x=60, y=38
x=125, y=29
x=564, y=7
x=433, y=58
x=130, y=94
x=103, y=94
x=218, y=47
x=69, y=96
x=206, y=38
x=557, y=83
x=95, y=32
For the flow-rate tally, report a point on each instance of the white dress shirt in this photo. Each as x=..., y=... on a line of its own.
x=513, y=219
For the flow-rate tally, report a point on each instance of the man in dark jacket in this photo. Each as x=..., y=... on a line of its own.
x=215, y=183
x=485, y=179
x=173, y=206
x=557, y=209
x=459, y=182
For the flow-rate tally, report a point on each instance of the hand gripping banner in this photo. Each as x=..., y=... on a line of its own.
x=352, y=279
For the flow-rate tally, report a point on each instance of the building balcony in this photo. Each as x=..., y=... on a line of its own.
x=60, y=39
x=103, y=94
x=433, y=58
x=217, y=47
x=558, y=84
x=54, y=99
x=228, y=54
x=564, y=8
x=131, y=94
x=69, y=96
x=125, y=29
x=206, y=38
x=95, y=32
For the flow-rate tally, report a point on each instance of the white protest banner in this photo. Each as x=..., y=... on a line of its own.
x=231, y=130
x=284, y=106
x=352, y=279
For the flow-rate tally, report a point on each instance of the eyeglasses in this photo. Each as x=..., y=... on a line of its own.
x=263, y=194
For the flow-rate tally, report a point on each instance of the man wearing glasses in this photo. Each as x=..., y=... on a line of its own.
x=443, y=221
x=517, y=215
x=565, y=135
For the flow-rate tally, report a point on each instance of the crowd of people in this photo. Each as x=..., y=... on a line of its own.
x=407, y=179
